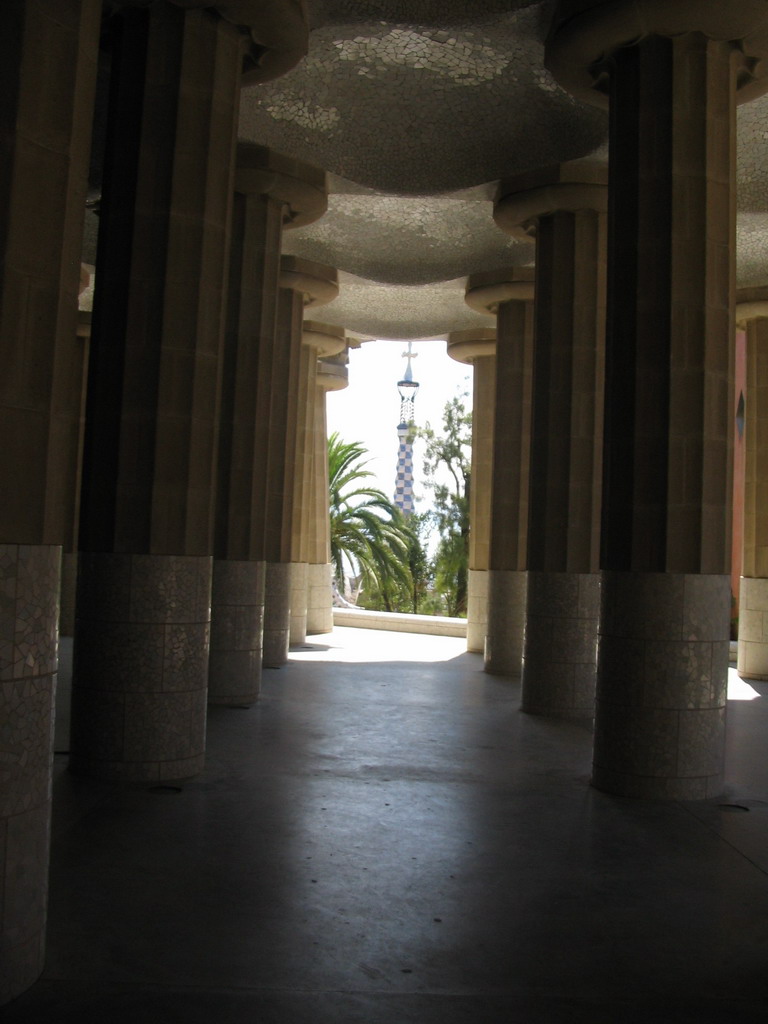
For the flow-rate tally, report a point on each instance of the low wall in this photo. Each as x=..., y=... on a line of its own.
x=437, y=625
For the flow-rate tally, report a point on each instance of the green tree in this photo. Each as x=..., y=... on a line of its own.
x=395, y=594
x=451, y=452
x=368, y=532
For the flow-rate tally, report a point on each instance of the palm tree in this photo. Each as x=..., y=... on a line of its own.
x=368, y=531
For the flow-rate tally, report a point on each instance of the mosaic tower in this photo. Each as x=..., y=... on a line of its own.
x=407, y=389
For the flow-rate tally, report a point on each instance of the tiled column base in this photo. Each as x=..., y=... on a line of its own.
x=29, y=610
x=140, y=676
x=319, y=598
x=752, y=656
x=661, y=684
x=299, y=598
x=66, y=632
x=237, y=625
x=560, y=645
x=277, y=614
x=477, y=610
x=506, y=620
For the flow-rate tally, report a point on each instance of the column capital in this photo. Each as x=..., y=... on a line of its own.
x=585, y=34
x=318, y=283
x=486, y=290
x=84, y=317
x=572, y=186
x=302, y=188
x=751, y=304
x=332, y=373
x=277, y=33
x=466, y=346
x=326, y=339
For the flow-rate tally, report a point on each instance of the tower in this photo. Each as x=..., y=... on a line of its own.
x=407, y=389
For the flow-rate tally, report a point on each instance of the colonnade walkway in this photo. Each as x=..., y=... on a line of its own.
x=386, y=838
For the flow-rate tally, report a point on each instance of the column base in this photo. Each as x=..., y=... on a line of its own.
x=68, y=595
x=29, y=606
x=319, y=599
x=506, y=620
x=140, y=674
x=752, y=647
x=477, y=610
x=237, y=627
x=560, y=644
x=299, y=595
x=662, y=674
x=277, y=614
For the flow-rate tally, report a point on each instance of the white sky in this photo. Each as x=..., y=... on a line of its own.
x=369, y=409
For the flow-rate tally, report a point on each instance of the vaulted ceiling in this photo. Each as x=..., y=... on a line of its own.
x=417, y=108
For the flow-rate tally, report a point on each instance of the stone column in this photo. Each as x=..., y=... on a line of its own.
x=72, y=427
x=752, y=657
x=332, y=375
x=509, y=295
x=671, y=72
x=300, y=511
x=303, y=284
x=564, y=208
x=271, y=193
x=478, y=349
x=326, y=342
x=45, y=134
x=147, y=505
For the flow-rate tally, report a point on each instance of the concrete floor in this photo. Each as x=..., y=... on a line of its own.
x=384, y=839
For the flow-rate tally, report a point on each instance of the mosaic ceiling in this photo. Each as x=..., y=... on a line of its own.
x=417, y=108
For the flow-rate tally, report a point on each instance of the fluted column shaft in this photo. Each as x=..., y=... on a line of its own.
x=752, y=659
x=302, y=511
x=509, y=511
x=147, y=509
x=237, y=597
x=45, y=141
x=304, y=284
x=478, y=348
x=281, y=476
x=566, y=429
x=327, y=342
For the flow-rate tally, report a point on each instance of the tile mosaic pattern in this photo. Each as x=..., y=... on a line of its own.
x=506, y=621
x=408, y=105
x=29, y=608
x=752, y=177
x=277, y=614
x=448, y=126
x=237, y=631
x=560, y=644
x=661, y=684
x=140, y=672
x=408, y=109
x=454, y=233
x=370, y=310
